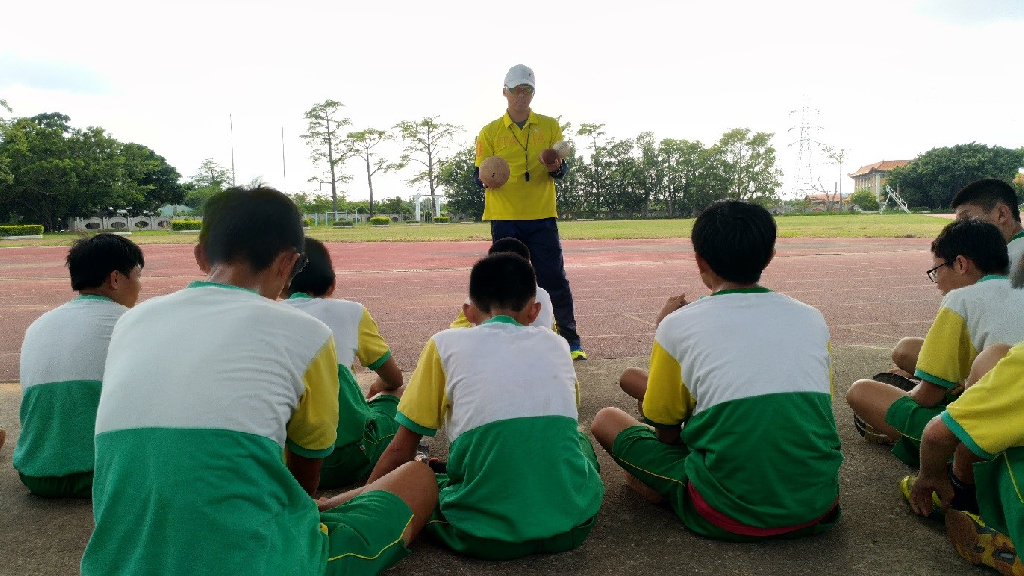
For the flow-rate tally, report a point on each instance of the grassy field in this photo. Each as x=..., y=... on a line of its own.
x=817, y=226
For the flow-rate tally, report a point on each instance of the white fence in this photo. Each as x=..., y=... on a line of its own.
x=120, y=223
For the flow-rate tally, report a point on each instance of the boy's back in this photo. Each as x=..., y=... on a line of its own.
x=509, y=395
x=201, y=392
x=62, y=360
x=755, y=378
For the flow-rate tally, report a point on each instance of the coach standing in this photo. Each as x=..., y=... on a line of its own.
x=524, y=207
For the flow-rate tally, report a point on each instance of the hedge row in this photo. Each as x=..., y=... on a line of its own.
x=178, y=225
x=21, y=230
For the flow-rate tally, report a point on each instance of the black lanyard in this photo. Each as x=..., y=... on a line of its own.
x=526, y=153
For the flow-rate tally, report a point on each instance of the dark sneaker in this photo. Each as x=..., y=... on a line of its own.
x=869, y=433
x=981, y=545
x=577, y=353
x=901, y=382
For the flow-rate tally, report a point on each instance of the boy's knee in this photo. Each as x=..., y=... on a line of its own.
x=855, y=396
x=905, y=353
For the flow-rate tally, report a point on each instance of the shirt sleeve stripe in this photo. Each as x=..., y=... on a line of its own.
x=963, y=436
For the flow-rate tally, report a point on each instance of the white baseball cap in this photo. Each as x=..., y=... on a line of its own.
x=520, y=74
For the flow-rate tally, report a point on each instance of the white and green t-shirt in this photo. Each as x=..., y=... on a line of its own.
x=62, y=359
x=508, y=393
x=356, y=337
x=748, y=373
x=987, y=312
x=202, y=390
x=989, y=419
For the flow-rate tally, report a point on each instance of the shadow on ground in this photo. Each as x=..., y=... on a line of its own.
x=877, y=534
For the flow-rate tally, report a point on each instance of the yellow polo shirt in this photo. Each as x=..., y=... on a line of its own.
x=519, y=199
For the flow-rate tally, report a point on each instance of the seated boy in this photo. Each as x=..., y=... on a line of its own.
x=204, y=390
x=979, y=308
x=365, y=424
x=521, y=478
x=546, y=318
x=744, y=444
x=990, y=200
x=983, y=429
x=62, y=360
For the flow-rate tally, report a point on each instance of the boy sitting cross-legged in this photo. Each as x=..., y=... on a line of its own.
x=744, y=444
x=521, y=478
x=366, y=424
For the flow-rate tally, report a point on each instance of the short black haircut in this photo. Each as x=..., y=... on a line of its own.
x=736, y=239
x=510, y=244
x=318, y=275
x=988, y=193
x=250, y=226
x=976, y=239
x=502, y=281
x=91, y=260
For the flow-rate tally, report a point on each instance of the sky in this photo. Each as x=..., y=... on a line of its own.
x=879, y=79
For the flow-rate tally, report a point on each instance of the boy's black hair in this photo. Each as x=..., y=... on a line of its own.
x=736, y=239
x=509, y=244
x=250, y=226
x=91, y=260
x=988, y=193
x=976, y=239
x=504, y=281
x=318, y=275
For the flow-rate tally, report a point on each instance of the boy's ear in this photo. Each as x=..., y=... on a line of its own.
x=770, y=258
x=200, y=253
x=472, y=313
x=702, y=264
x=532, y=311
x=330, y=290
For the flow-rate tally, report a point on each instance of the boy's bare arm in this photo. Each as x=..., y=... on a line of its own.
x=402, y=449
x=927, y=394
x=668, y=435
x=671, y=305
x=389, y=378
x=937, y=446
x=305, y=470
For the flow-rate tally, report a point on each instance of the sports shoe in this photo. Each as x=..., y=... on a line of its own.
x=908, y=483
x=577, y=352
x=981, y=545
x=893, y=379
x=869, y=433
x=422, y=450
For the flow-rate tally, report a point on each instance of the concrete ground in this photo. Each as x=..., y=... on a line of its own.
x=871, y=291
x=877, y=534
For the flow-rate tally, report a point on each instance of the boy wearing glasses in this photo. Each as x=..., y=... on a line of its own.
x=62, y=360
x=204, y=391
x=524, y=207
x=979, y=308
x=367, y=423
x=744, y=445
x=990, y=200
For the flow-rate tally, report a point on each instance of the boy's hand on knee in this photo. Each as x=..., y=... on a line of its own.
x=671, y=305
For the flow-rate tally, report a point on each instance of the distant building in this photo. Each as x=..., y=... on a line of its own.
x=872, y=177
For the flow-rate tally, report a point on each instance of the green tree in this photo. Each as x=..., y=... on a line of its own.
x=209, y=179
x=362, y=145
x=684, y=163
x=324, y=137
x=865, y=200
x=396, y=206
x=425, y=141
x=933, y=178
x=311, y=203
x=746, y=164
x=157, y=181
x=455, y=175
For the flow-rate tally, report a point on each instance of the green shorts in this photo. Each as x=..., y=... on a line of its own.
x=440, y=531
x=909, y=418
x=365, y=534
x=352, y=462
x=78, y=485
x=662, y=467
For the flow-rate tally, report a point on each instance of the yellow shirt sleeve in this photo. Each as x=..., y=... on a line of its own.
x=313, y=427
x=667, y=402
x=424, y=407
x=989, y=416
x=461, y=321
x=947, y=353
x=373, y=351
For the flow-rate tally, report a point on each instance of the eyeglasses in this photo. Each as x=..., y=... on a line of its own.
x=521, y=90
x=300, y=264
x=933, y=274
